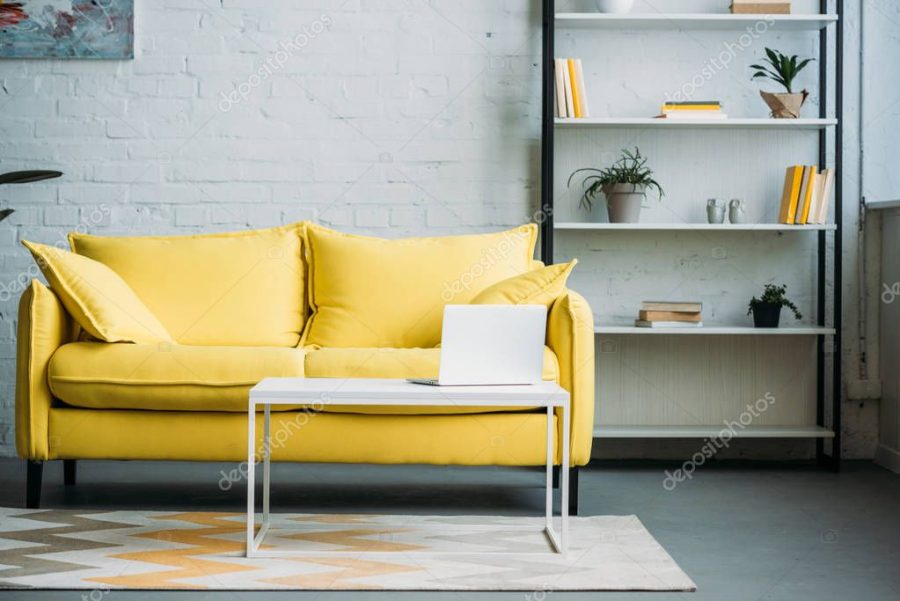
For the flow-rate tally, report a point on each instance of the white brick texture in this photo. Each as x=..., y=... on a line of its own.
x=368, y=115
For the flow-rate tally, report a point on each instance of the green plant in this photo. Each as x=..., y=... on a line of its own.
x=781, y=68
x=630, y=168
x=774, y=294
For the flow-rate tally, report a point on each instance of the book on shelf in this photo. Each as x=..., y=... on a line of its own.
x=761, y=7
x=673, y=306
x=560, y=88
x=695, y=109
x=825, y=190
x=793, y=177
x=806, y=195
x=641, y=323
x=571, y=97
x=668, y=316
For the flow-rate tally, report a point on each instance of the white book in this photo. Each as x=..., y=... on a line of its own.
x=826, y=191
x=667, y=324
x=816, y=199
x=567, y=86
x=579, y=75
x=559, y=71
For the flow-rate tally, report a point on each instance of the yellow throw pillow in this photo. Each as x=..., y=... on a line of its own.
x=539, y=287
x=371, y=292
x=242, y=288
x=97, y=298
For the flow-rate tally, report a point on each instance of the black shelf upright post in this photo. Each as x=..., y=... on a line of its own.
x=834, y=459
x=838, y=235
x=547, y=124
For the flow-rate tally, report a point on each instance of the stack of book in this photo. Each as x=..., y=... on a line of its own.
x=806, y=195
x=669, y=314
x=761, y=7
x=695, y=109
x=571, y=98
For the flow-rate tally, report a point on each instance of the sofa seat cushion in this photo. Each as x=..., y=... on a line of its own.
x=371, y=292
x=395, y=363
x=166, y=376
x=230, y=289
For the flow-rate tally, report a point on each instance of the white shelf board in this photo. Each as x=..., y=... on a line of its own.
x=652, y=123
x=703, y=227
x=693, y=21
x=711, y=432
x=717, y=331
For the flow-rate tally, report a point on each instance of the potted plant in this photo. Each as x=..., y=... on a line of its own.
x=624, y=183
x=782, y=69
x=767, y=310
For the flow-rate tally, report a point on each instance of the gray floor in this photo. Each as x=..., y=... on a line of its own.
x=740, y=531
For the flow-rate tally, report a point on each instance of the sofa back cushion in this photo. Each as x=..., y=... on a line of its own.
x=239, y=288
x=371, y=292
x=97, y=298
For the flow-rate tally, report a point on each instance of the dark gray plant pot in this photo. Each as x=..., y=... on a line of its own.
x=766, y=315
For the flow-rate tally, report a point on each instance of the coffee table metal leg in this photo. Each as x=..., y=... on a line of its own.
x=251, y=475
x=267, y=450
x=564, y=481
x=549, y=492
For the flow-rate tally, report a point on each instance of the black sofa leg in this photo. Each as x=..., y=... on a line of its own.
x=573, y=491
x=69, y=471
x=33, y=484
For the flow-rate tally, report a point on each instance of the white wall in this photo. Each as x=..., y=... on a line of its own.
x=390, y=117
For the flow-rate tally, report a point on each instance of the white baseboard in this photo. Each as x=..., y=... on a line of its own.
x=888, y=457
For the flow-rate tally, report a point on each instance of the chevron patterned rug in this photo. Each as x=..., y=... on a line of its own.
x=163, y=550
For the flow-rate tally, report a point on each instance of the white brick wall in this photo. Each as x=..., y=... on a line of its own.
x=388, y=117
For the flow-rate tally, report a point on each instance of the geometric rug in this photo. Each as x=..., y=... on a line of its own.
x=59, y=549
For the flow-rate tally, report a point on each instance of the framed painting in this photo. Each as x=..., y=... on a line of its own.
x=67, y=29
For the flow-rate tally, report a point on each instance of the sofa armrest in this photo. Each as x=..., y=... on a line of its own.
x=43, y=327
x=570, y=333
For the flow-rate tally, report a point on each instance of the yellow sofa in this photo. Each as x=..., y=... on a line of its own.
x=297, y=300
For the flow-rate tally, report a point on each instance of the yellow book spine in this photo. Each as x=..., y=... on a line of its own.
x=807, y=200
x=692, y=107
x=573, y=82
x=786, y=195
x=795, y=193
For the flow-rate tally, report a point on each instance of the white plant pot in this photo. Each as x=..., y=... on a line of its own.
x=615, y=6
x=623, y=202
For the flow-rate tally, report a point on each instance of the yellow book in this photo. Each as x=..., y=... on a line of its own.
x=809, y=190
x=573, y=82
x=792, y=178
x=691, y=107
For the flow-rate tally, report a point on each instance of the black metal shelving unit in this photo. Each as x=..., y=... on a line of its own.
x=830, y=460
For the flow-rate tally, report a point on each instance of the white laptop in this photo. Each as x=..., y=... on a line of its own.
x=491, y=345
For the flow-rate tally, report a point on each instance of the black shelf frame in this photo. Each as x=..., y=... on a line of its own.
x=830, y=460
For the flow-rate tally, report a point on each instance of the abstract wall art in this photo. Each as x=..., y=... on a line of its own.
x=67, y=29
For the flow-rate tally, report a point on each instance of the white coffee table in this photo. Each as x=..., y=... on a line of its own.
x=384, y=392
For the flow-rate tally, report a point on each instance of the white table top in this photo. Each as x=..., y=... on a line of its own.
x=377, y=391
